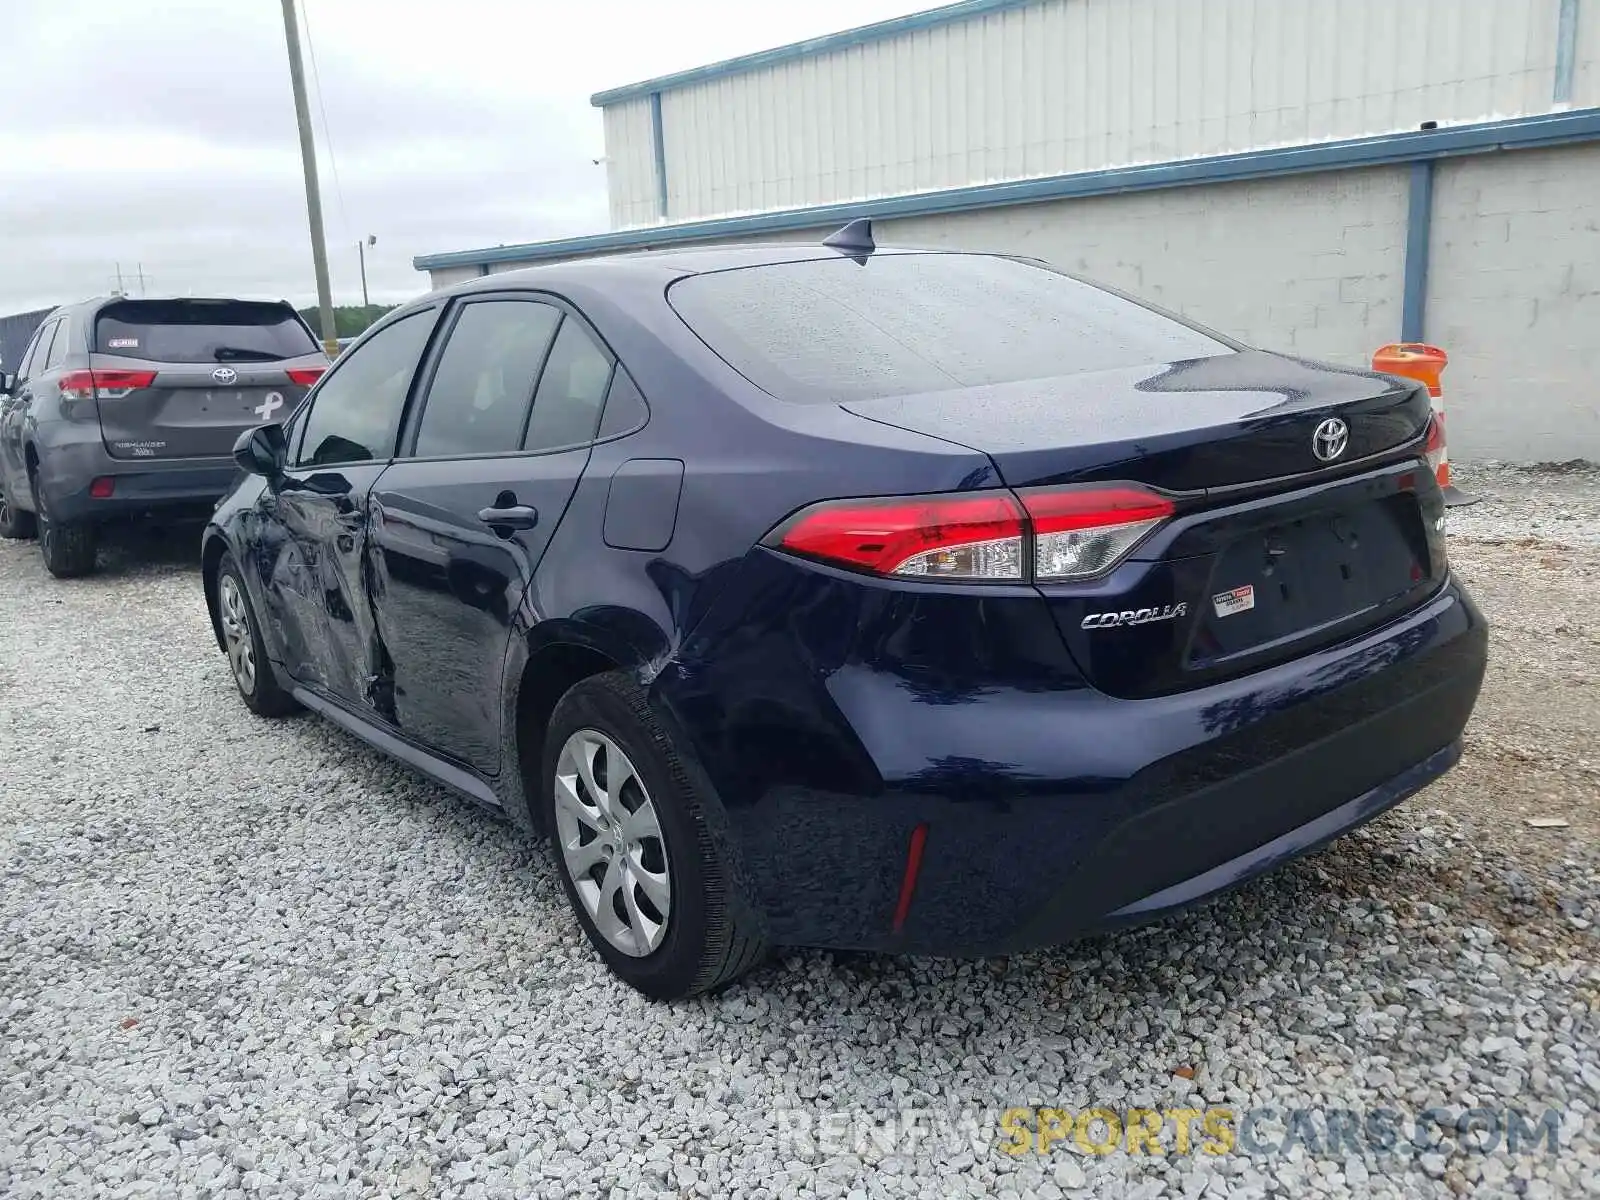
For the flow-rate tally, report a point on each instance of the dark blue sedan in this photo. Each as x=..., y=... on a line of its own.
x=838, y=595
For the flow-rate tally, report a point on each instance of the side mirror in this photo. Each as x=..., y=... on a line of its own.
x=260, y=451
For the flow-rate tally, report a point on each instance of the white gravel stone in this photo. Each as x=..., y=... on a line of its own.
x=255, y=959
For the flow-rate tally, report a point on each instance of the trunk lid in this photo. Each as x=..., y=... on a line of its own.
x=1216, y=422
x=1272, y=552
x=190, y=375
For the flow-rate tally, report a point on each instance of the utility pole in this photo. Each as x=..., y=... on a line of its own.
x=120, y=290
x=308, y=162
x=361, y=249
x=141, y=278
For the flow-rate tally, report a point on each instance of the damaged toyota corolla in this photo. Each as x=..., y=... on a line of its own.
x=850, y=596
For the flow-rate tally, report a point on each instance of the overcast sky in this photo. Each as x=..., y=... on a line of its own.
x=162, y=132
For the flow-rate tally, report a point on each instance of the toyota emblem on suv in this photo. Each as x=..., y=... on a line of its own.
x=225, y=376
x=1330, y=439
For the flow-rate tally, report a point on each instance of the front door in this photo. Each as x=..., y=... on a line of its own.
x=316, y=597
x=318, y=578
x=458, y=527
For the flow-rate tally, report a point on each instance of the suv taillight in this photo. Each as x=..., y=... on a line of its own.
x=304, y=376
x=106, y=385
x=1045, y=534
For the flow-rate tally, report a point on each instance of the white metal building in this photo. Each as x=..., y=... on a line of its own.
x=1262, y=165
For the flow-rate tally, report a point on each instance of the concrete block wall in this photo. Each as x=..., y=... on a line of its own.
x=1307, y=264
x=1514, y=298
x=1313, y=265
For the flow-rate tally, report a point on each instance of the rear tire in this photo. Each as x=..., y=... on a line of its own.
x=14, y=522
x=68, y=547
x=701, y=935
x=247, y=654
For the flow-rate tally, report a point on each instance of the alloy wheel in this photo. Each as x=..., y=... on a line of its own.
x=236, y=634
x=611, y=843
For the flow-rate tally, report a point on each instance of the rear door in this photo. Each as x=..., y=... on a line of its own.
x=314, y=587
x=183, y=378
x=459, y=526
x=14, y=410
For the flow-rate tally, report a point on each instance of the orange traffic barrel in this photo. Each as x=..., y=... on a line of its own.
x=1425, y=364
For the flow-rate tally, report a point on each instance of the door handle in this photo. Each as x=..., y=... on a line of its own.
x=513, y=516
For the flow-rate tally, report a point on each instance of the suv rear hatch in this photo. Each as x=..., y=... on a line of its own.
x=1269, y=551
x=183, y=378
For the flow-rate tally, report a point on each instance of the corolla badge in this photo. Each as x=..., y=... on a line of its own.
x=1135, y=616
x=1330, y=439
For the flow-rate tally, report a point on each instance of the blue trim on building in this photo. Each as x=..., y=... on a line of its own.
x=1579, y=125
x=658, y=148
x=1419, y=231
x=826, y=44
x=1566, y=50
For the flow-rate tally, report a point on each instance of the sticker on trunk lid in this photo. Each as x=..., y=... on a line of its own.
x=1240, y=599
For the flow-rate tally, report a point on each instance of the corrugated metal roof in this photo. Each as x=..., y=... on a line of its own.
x=811, y=46
x=1580, y=125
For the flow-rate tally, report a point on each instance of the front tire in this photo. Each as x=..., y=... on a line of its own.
x=14, y=522
x=638, y=861
x=247, y=654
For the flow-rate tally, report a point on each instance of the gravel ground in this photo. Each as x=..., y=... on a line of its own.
x=245, y=958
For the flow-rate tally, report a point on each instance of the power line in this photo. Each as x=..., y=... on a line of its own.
x=322, y=109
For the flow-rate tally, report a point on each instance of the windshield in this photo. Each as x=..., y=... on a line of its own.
x=201, y=331
x=831, y=330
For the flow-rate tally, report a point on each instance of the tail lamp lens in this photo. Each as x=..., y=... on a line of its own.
x=1083, y=532
x=304, y=376
x=973, y=536
x=1053, y=534
x=103, y=384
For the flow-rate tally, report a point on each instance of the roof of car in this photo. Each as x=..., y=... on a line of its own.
x=666, y=263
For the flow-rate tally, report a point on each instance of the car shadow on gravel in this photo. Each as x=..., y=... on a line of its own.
x=143, y=550
x=1327, y=917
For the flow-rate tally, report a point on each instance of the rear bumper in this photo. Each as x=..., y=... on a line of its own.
x=190, y=487
x=1051, y=813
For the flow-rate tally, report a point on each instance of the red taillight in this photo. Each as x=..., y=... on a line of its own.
x=104, y=384
x=76, y=385
x=1083, y=532
x=304, y=376
x=1075, y=533
x=102, y=487
x=977, y=535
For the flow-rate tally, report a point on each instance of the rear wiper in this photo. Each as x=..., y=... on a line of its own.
x=244, y=353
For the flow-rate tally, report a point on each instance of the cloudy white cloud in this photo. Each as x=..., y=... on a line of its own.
x=161, y=135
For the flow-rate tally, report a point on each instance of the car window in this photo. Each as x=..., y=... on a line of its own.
x=42, y=334
x=572, y=390
x=355, y=413
x=837, y=329
x=625, y=407
x=201, y=331
x=58, y=348
x=478, y=400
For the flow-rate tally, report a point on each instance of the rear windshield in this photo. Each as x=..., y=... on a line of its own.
x=897, y=324
x=201, y=331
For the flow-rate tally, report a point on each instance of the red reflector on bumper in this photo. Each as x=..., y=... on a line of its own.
x=908, y=882
x=103, y=487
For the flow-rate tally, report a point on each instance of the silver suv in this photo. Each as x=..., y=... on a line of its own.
x=129, y=408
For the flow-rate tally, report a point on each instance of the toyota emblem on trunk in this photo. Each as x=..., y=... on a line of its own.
x=225, y=376
x=1330, y=439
